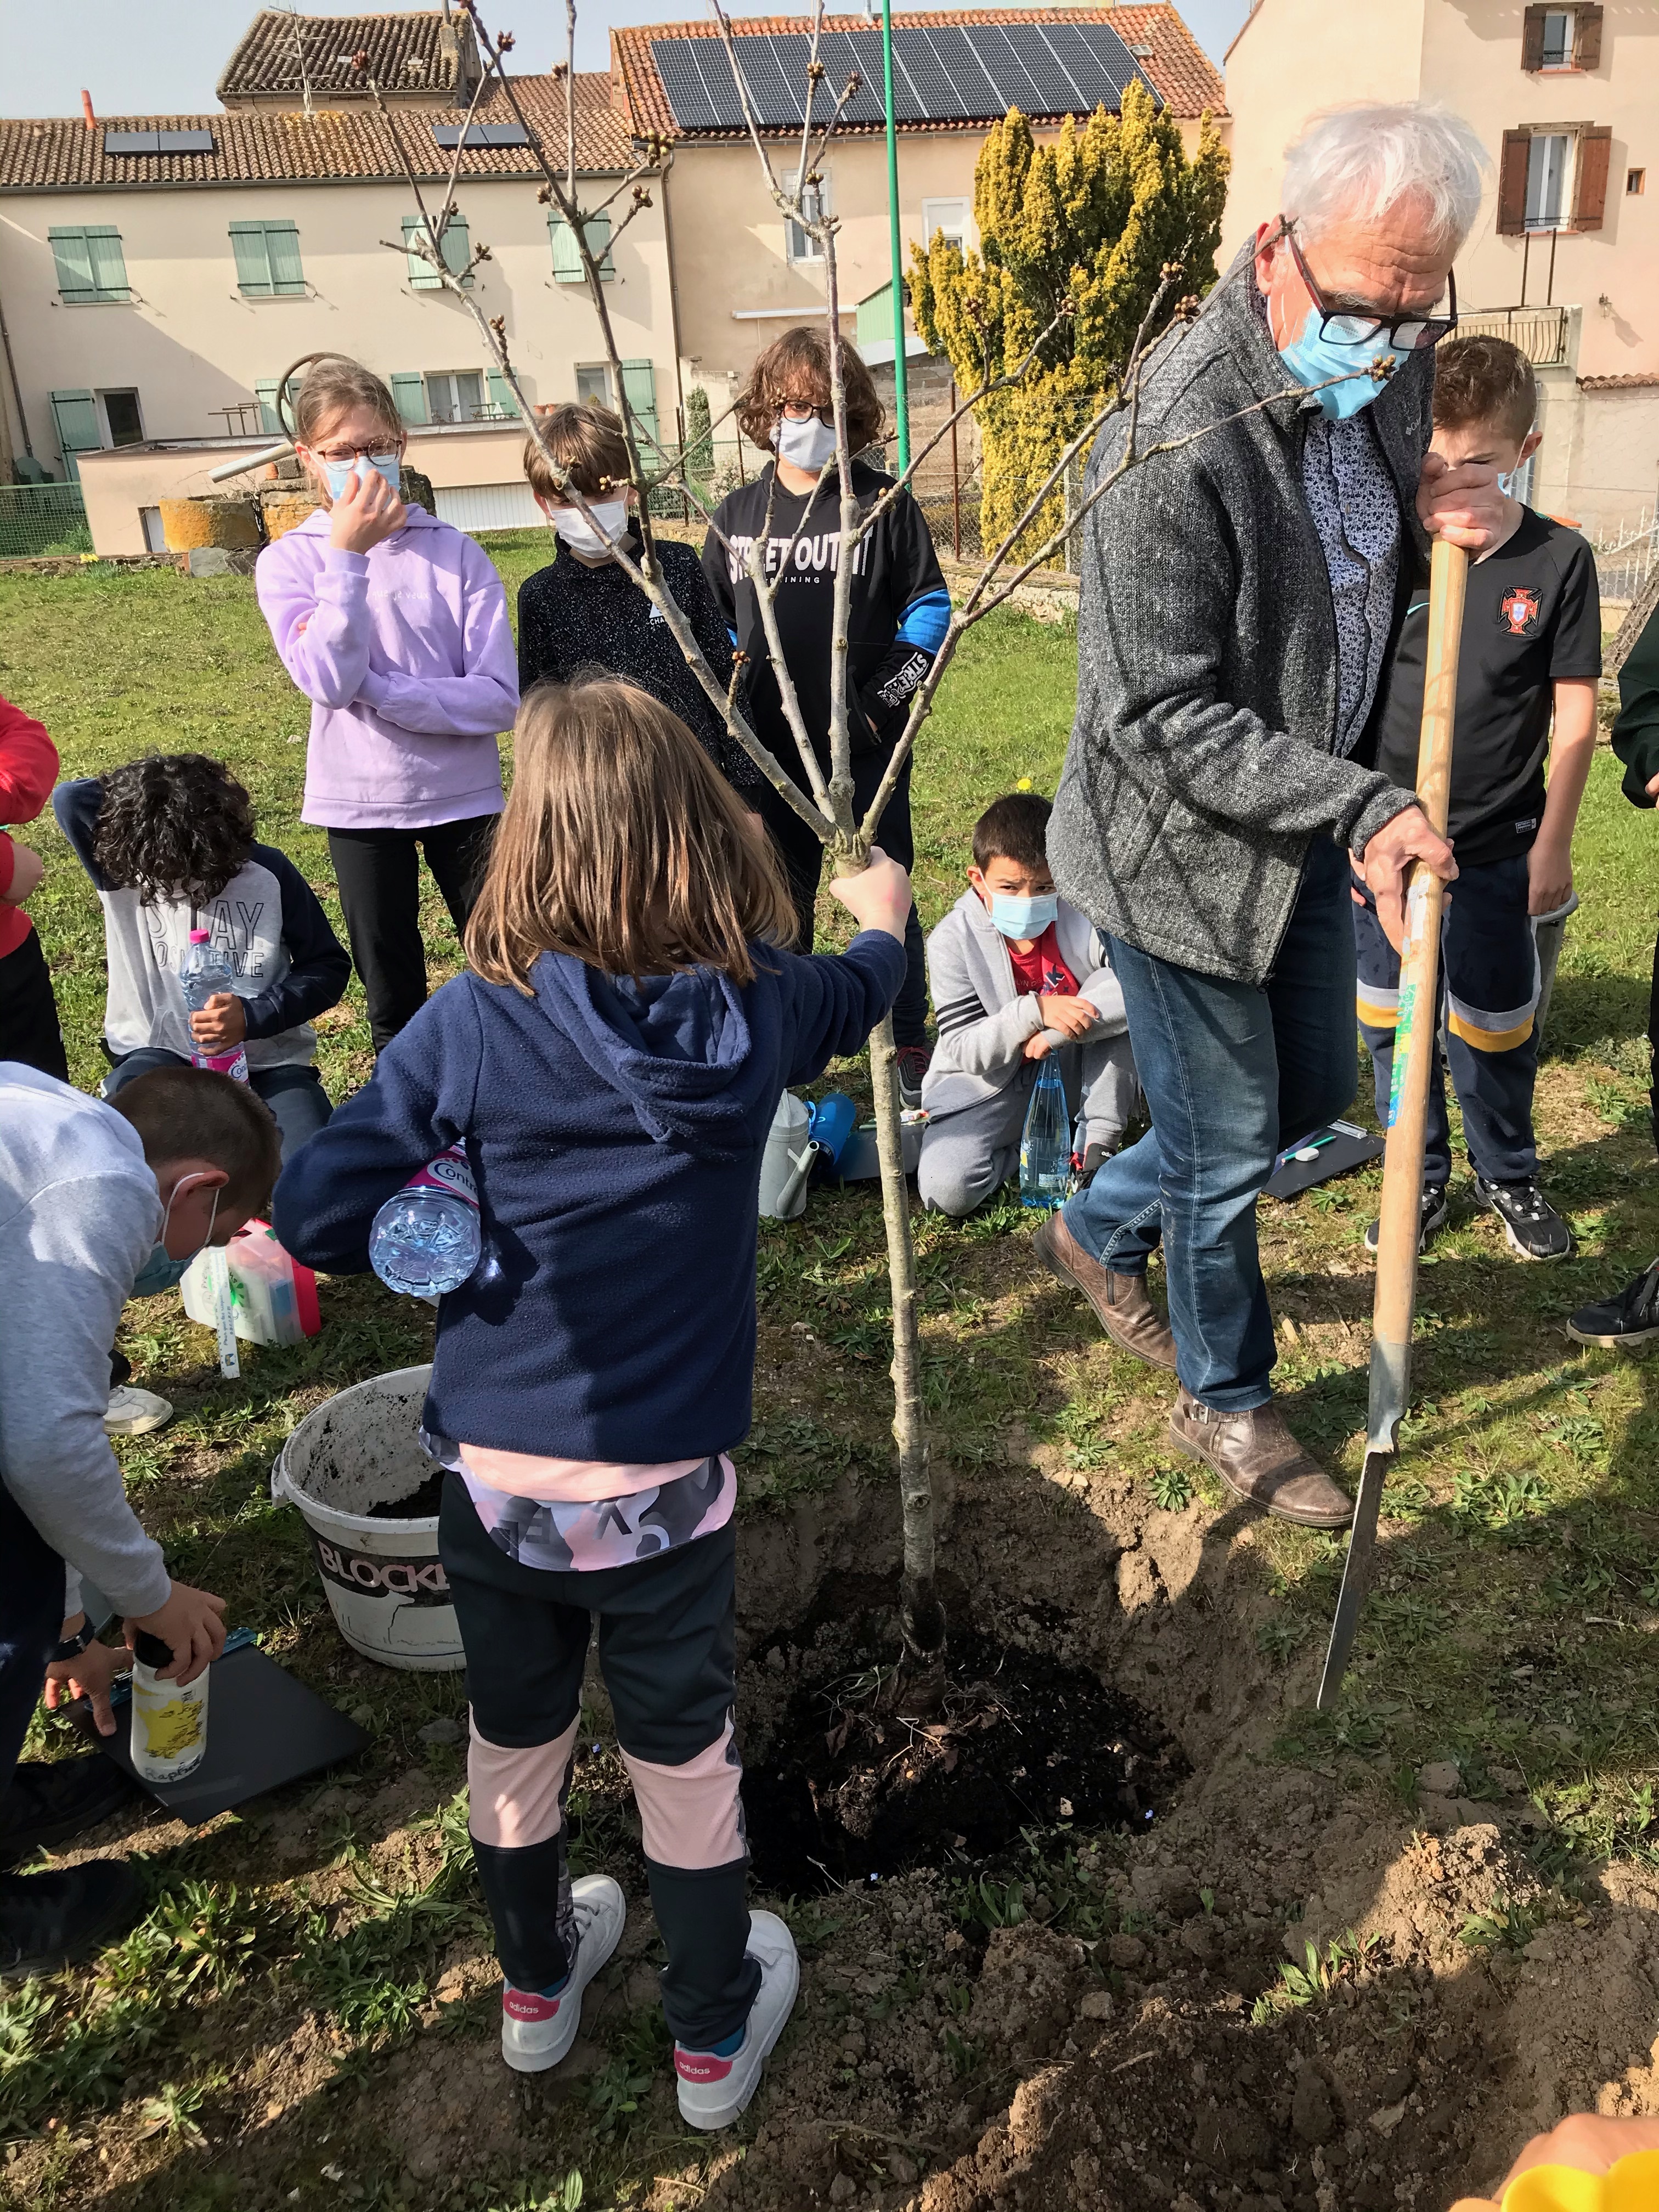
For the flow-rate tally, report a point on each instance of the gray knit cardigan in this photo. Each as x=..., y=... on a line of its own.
x=1202, y=761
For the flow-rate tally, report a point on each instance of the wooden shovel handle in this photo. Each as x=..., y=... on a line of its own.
x=1415, y=1041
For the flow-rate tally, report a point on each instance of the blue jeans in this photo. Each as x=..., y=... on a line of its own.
x=1233, y=1072
x=294, y=1091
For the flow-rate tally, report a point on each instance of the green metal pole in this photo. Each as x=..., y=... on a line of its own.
x=901, y=391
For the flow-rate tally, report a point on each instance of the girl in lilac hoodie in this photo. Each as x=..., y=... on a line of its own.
x=395, y=626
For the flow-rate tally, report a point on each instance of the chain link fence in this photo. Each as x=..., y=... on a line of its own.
x=42, y=519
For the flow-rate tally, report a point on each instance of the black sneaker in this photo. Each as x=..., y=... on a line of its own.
x=912, y=1064
x=48, y=1803
x=1531, y=1224
x=1631, y=1319
x=1433, y=1216
x=49, y=1920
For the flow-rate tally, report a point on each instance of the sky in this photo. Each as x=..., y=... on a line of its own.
x=163, y=57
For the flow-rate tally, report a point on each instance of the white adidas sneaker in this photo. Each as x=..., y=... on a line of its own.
x=537, y=2032
x=714, y=2086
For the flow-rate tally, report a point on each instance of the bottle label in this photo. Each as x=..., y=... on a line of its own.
x=448, y=1172
x=233, y=1063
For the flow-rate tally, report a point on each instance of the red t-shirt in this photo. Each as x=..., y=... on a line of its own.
x=1042, y=971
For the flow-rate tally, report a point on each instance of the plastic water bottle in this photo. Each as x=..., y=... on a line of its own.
x=1045, y=1145
x=169, y=1725
x=204, y=973
x=426, y=1239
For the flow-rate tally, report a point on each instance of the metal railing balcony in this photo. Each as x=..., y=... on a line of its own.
x=1541, y=332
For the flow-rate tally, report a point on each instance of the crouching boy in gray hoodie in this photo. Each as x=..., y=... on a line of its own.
x=1017, y=974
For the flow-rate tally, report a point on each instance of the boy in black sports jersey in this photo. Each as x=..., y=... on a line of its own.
x=1531, y=647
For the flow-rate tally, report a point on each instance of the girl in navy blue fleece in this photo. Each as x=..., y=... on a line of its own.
x=611, y=1067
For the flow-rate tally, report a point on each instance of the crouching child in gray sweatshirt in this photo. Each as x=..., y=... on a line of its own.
x=1017, y=974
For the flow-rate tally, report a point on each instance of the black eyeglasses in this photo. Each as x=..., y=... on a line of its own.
x=1351, y=326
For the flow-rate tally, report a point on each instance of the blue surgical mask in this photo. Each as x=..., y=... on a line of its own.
x=159, y=1272
x=340, y=473
x=1023, y=918
x=1312, y=358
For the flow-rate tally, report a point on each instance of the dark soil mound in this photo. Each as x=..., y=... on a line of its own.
x=421, y=1504
x=860, y=1786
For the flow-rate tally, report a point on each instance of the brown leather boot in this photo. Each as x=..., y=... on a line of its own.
x=1260, y=1461
x=1121, y=1305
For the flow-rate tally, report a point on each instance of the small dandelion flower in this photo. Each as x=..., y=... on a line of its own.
x=1024, y=784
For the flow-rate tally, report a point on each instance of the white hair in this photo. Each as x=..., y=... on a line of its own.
x=1364, y=159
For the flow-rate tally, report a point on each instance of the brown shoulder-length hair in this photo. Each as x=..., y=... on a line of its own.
x=797, y=367
x=621, y=845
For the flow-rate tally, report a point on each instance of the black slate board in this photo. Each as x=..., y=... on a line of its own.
x=1348, y=1147
x=264, y=1729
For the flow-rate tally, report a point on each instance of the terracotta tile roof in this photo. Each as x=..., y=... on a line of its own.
x=280, y=52
x=343, y=145
x=1187, y=80
x=1615, y=383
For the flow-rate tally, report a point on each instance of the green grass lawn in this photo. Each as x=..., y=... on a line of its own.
x=1514, y=1628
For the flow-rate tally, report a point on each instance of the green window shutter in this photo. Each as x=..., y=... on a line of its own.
x=598, y=234
x=265, y=391
x=639, y=388
x=283, y=245
x=567, y=262
x=76, y=414
x=458, y=249
x=408, y=390
x=109, y=267
x=247, y=241
x=422, y=275
x=501, y=401
x=74, y=258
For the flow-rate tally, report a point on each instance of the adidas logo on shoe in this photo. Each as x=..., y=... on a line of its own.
x=702, y=2065
x=529, y=2005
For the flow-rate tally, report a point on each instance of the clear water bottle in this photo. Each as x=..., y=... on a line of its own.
x=205, y=973
x=169, y=1724
x=1045, y=1145
x=426, y=1239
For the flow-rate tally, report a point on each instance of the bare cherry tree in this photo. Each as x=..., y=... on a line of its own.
x=826, y=802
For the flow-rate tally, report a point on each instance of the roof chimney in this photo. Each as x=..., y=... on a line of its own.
x=86, y=110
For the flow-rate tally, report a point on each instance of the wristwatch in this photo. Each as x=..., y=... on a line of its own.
x=73, y=1646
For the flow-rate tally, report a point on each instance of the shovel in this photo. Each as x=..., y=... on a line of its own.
x=1414, y=1046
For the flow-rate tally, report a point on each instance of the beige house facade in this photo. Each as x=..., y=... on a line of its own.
x=1565, y=258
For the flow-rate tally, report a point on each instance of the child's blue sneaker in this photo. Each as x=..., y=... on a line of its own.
x=714, y=2086
x=539, y=2026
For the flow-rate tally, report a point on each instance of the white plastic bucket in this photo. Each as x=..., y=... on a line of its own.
x=781, y=1163
x=384, y=1578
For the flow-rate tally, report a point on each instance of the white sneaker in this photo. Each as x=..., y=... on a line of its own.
x=134, y=1413
x=713, y=2088
x=537, y=2032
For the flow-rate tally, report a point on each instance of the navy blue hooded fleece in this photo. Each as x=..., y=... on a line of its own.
x=616, y=1131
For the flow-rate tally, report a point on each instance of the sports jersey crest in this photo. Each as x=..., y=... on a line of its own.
x=1518, y=611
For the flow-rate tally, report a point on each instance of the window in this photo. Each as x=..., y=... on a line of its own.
x=458, y=251
x=122, y=423
x=1546, y=177
x=454, y=395
x=267, y=260
x=1636, y=183
x=593, y=383
x=568, y=261
x=949, y=219
x=91, y=266
x=800, y=242
x=1561, y=38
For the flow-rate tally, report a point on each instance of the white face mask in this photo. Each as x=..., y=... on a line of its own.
x=805, y=445
x=579, y=533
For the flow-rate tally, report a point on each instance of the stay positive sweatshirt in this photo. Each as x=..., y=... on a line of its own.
x=406, y=653
x=615, y=1130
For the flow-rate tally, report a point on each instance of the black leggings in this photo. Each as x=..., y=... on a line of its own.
x=803, y=859
x=378, y=874
x=29, y=1030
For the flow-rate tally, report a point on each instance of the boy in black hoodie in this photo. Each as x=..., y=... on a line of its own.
x=900, y=611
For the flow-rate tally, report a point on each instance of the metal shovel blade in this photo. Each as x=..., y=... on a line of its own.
x=1388, y=1406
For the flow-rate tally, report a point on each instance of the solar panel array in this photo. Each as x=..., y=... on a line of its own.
x=480, y=134
x=942, y=73
x=158, y=142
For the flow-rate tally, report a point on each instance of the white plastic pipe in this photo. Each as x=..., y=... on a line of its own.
x=279, y=452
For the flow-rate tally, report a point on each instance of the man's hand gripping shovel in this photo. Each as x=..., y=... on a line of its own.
x=1414, y=1045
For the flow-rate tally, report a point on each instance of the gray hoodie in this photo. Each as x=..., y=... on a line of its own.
x=985, y=1022
x=79, y=1215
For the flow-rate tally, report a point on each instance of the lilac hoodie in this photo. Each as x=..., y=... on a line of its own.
x=406, y=655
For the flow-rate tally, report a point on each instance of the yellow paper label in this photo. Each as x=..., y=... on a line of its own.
x=170, y=1730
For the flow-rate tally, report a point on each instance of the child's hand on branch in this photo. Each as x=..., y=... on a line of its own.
x=878, y=897
x=222, y=1023
x=1072, y=1018
x=367, y=513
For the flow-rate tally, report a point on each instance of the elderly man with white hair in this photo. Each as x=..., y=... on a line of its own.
x=1241, y=595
